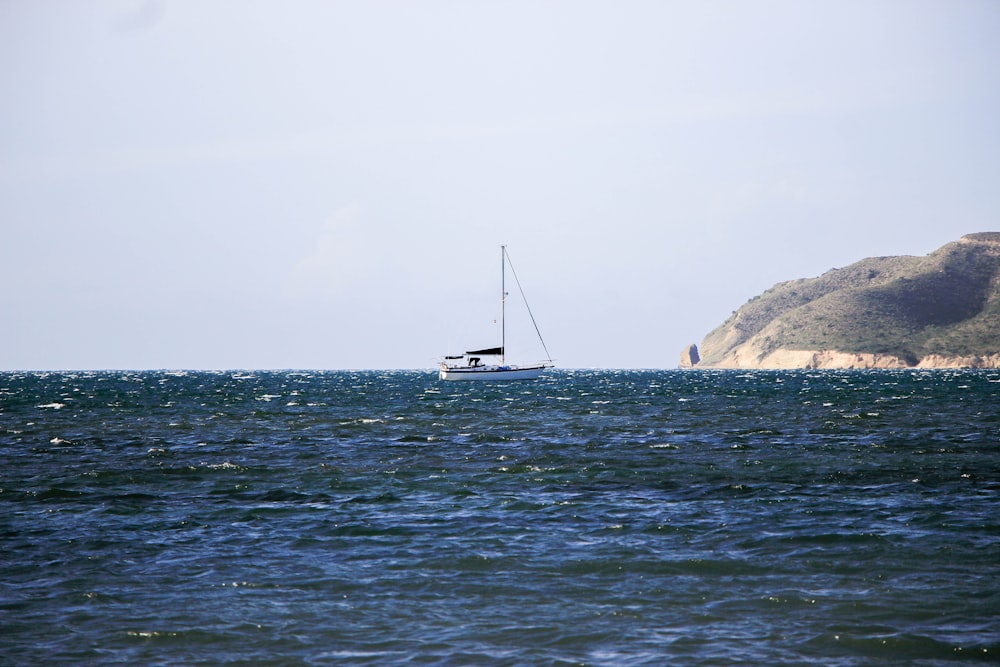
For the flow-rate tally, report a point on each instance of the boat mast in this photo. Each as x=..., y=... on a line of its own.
x=503, y=303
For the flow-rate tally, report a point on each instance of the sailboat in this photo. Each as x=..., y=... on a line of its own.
x=470, y=366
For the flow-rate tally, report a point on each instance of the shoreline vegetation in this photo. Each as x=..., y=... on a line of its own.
x=937, y=311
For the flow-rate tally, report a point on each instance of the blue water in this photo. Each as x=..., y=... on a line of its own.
x=587, y=518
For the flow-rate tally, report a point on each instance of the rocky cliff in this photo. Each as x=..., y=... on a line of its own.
x=937, y=311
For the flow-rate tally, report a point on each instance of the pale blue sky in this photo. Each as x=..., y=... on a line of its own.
x=313, y=184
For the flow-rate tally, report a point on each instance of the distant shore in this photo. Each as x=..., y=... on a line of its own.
x=832, y=359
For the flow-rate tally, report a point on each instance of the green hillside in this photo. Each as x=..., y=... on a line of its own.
x=947, y=303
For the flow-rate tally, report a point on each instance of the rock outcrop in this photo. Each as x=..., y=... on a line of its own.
x=938, y=311
x=690, y=357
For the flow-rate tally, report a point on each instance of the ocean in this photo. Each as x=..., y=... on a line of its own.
x=591, y=517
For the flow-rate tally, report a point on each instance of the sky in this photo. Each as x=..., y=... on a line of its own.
x=316, y=184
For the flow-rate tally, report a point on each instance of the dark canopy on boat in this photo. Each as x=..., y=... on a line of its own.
x=490, y=350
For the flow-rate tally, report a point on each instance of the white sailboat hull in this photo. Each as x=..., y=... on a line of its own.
x=490, y=373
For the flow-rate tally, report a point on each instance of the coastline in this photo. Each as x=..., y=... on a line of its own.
x=834, y=359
